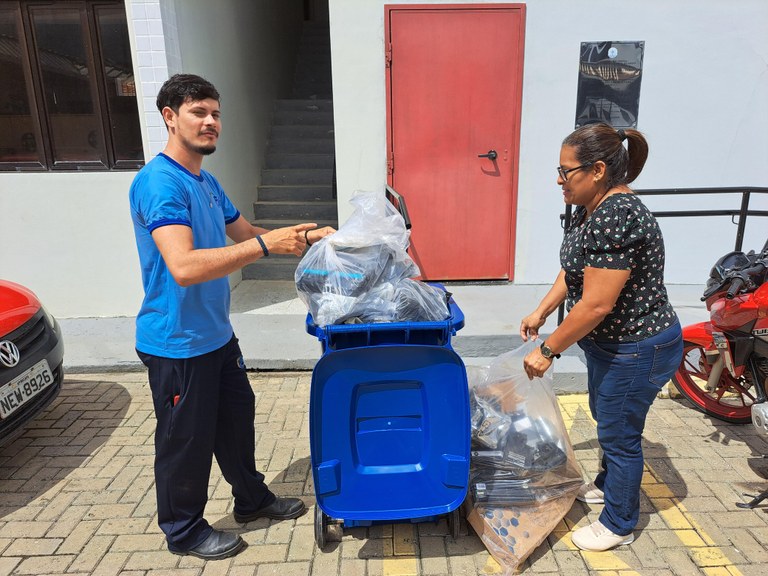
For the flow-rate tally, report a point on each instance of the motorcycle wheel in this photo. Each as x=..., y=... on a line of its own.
x=731, y=401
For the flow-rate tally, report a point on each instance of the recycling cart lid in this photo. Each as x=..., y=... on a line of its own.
x=389, y=432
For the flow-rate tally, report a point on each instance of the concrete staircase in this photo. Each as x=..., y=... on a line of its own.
x=297, y=179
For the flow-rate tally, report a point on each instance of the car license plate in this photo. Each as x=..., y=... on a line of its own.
x=24, y=387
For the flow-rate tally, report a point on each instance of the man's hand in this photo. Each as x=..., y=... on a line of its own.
x=288, y=240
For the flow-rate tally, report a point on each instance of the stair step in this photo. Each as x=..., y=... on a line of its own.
x=320, y=37
x=305, y=105
x=303, y=117
x=313, y=64
x=273, y=268
x=301, y=131
x=311, y=93
x=316, y=35
x=283, y=176
x=294, y=193
x=296, y=211
x=313, y=50
x=282, y=223
x=314, y=43
x=309, y=89
x=314, y=77
x=297, y=183
x=301, y=146
x=321, y=85
x=313, y=56
x=314, y=28
x=298, y=161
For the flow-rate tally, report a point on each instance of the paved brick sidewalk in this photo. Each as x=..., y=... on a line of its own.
x=78, y=498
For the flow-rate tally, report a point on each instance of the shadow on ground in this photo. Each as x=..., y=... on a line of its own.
x=57, y=443
x=745, y=446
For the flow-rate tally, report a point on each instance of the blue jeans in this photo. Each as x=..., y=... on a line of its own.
x=624, y=379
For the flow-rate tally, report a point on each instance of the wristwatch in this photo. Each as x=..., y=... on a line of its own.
x=546, y=351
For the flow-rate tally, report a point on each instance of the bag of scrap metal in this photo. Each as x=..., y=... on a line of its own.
x=523, y=472
x=362, y=273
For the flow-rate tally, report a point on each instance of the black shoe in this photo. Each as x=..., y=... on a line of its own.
x=218, y=545
x=280, y=509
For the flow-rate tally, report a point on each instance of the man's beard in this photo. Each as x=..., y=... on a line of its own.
x=205, y=150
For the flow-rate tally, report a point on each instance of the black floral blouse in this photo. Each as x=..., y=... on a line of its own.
x=621, y=234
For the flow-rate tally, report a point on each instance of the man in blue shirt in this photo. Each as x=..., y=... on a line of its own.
x=203, y=401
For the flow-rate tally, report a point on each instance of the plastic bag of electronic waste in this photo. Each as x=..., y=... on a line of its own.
x=523, y=472
x=362, y=273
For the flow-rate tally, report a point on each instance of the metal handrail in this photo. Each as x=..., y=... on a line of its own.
x=742, y=212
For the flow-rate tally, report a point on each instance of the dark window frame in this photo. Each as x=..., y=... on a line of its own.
x=33, y=77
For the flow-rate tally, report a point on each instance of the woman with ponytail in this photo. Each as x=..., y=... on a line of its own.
x=612, y=281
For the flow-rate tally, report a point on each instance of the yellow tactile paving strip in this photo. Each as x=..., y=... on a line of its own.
x=77, y=497
x=702, y=550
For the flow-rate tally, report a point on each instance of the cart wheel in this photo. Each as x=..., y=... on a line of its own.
x=454, y=523
x=321, y=527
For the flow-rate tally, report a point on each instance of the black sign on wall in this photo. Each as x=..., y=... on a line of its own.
x=609, y=83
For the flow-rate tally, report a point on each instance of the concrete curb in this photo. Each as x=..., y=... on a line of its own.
x=269, y=321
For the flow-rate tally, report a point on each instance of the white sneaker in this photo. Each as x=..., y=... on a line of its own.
x=590, y=494
x=597, y=538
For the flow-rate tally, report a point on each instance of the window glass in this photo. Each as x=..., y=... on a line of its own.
x=120, y=83
x=69, y=90
x=20, y=137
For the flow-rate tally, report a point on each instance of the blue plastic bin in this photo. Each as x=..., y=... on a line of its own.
x=389, y=423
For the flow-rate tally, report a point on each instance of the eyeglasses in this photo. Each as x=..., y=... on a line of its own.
x=563, y=172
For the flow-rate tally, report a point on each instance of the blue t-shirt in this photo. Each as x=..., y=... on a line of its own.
x=174, y=321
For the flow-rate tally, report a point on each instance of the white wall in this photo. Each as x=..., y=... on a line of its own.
x=68, y=236
x=248, y=50
x=702, y=108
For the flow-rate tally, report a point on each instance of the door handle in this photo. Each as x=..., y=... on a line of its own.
x=491, y=154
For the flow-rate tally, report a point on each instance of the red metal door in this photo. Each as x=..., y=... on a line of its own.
x=454, y=88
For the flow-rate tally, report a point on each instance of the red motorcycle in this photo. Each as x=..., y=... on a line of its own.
x=724, y=371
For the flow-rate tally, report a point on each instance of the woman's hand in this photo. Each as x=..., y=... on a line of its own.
x=530, y=326
x=535, y=364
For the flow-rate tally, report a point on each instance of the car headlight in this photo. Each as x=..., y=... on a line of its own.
x=49, y=317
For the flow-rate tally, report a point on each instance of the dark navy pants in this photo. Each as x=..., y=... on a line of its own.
x=624, y=380
x=204, y=407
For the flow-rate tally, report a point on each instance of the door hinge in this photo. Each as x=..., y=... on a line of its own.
x=388, y=55
x=391, y=165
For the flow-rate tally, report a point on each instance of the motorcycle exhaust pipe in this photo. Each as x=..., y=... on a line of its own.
x=716, y=372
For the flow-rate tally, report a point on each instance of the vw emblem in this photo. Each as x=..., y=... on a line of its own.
x=9, y=354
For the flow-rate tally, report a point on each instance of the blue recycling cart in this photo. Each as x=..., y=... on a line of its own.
x=389, y=424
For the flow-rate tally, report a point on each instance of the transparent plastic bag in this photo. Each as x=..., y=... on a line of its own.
x=419, y=302
x=523, y=471
x=362, y=273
